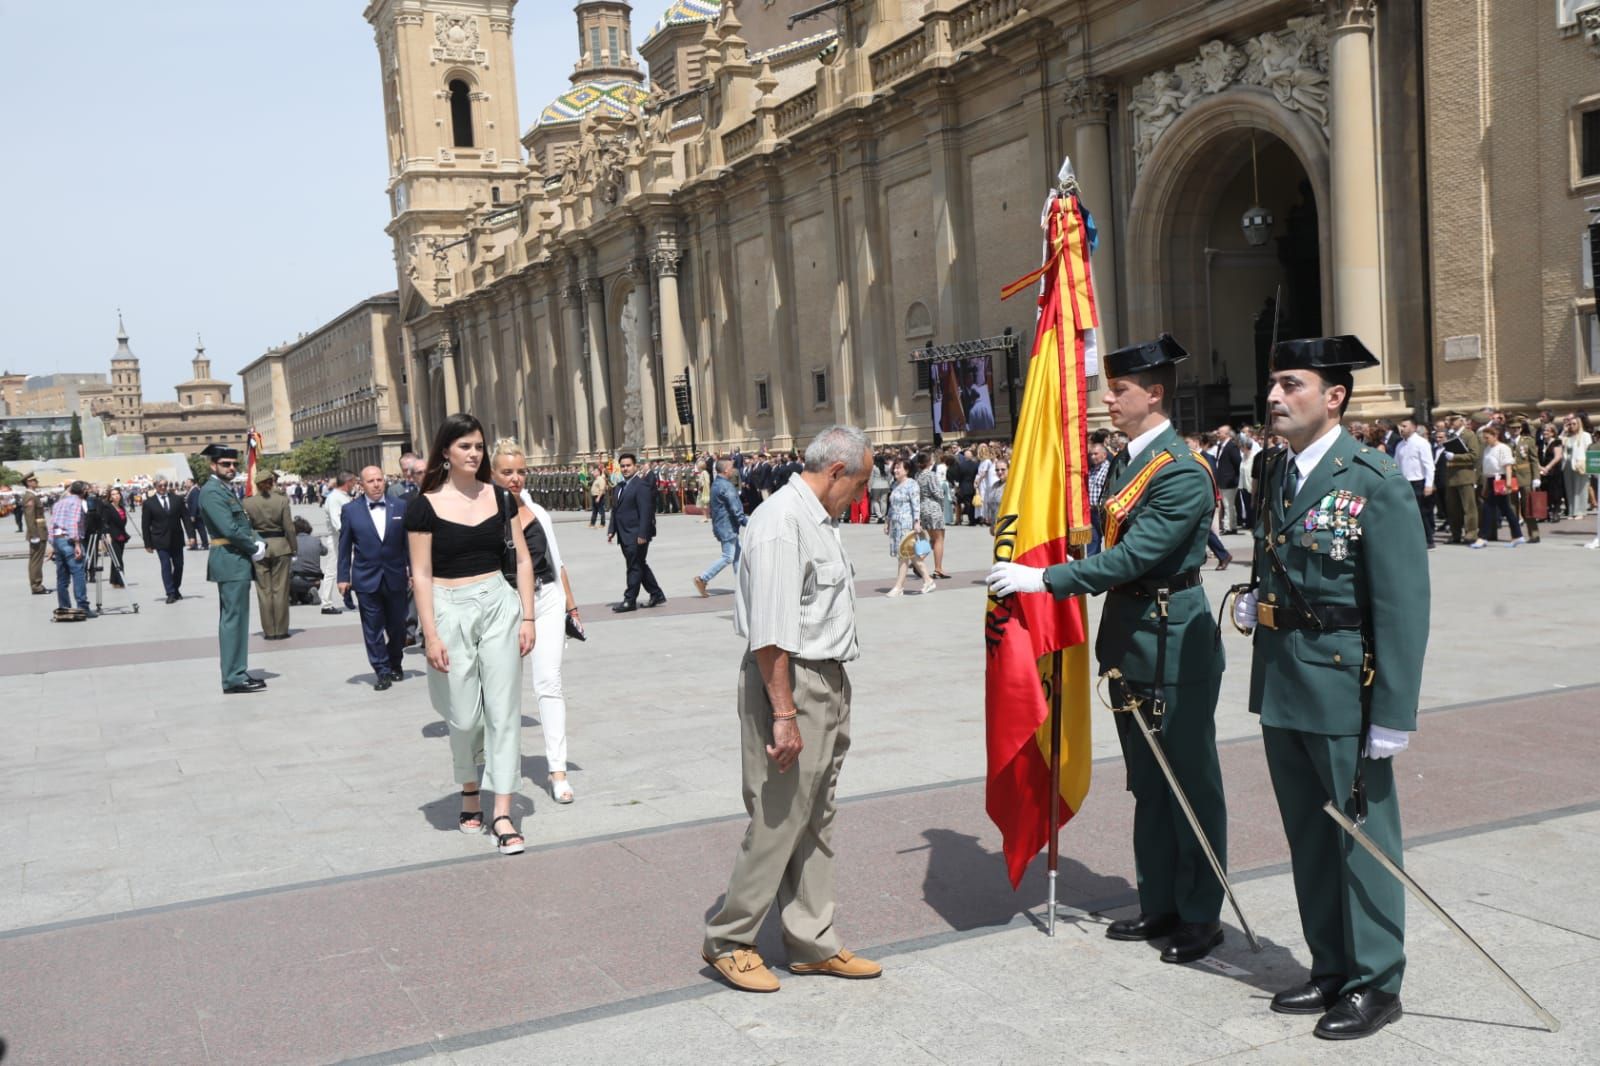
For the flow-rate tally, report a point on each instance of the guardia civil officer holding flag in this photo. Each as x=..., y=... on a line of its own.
x=234, y=547
x=1159, y=648
x=1339, y=610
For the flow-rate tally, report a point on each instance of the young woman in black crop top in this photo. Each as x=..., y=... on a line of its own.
x=553, y=605
x=475, y=625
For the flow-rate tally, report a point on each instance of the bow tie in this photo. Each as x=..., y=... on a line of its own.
x=374, y=504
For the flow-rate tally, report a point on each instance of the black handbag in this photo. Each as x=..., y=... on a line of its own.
x=508, y=555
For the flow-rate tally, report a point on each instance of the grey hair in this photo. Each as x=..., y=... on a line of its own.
x=724, y=466
x=838, y=444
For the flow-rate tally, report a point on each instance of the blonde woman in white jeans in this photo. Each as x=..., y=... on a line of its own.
x=553, y=605
x=475, y=625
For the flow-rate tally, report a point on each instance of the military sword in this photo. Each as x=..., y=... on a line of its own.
x=1132, y=706
x=1360, y=837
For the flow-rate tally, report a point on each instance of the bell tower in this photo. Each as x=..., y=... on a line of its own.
x=450, y=115
x=127, y=394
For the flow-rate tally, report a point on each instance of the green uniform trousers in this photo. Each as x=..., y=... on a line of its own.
x=36, y=565
x=1352, y=910
x=272, y=594
x=233, y=630
x=1173, y=872
x=1461, y=512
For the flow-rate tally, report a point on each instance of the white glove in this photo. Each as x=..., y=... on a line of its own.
x=1244, y=611
x=260, y=553
x=1535, y=482
x=1384, y=743
x=1007, y=578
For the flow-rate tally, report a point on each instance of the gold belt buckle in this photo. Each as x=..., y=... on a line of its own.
x=1266, y=615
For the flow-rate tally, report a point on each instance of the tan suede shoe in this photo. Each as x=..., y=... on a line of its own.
x=843, y=964
x=744, y=970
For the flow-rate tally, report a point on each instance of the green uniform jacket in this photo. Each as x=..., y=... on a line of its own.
x=1464, y=470
x=1165, y=535
x=1526, y=451
x=224, y=517
x=269, y=514
x=35, y=517
x=1309, y=680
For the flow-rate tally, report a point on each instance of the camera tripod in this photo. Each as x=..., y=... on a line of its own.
x=102, y=546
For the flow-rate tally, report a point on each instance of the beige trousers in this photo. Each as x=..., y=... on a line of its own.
x=786, y=857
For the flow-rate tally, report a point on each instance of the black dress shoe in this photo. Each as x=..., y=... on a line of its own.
x=172, y=599
x=1144, y=927
x=331, y=610
x=243, y=686
x=624, y=607
x=1313, y=997
x=255, y=682
x=383, y=682
x=1360, y=1013
x=655, y=601
x=1193, y=940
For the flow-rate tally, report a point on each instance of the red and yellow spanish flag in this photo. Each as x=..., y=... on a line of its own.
x=252, y=451
x=1045, y=508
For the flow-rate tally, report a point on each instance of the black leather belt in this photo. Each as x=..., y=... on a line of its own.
x=1281, y=618
x=1147, y=588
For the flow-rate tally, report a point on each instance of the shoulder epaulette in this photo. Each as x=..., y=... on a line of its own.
x=1376, y=459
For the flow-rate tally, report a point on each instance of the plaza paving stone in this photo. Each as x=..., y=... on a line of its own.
x=188, y=877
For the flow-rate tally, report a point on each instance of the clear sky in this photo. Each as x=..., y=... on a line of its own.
x=209, y=166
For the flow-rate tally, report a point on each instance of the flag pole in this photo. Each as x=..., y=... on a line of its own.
x=1055, y=785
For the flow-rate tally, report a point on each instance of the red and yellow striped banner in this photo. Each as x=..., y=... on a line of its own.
x=1043, y=512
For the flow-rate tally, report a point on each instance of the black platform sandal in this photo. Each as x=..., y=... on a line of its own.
x=471, y=816
x=501, y=838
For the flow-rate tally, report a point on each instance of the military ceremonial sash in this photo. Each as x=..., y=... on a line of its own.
x=1120, y=507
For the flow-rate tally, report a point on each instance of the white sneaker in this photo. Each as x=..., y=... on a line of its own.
x=1593, y=544
x=929, y=586
x=1519, y=542
x=896, y=591
x=1478, y=544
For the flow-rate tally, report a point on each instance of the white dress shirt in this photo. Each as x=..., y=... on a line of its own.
x=1416, y=459
x=335, y=508
x=378, y=514
x=1307, y=460
x=1145, y=439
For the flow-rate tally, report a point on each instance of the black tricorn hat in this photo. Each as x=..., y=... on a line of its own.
x=1344, y=353
x=1146, y=356
x=219, y=451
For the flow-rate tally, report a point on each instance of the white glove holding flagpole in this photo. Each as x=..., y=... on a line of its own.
x=1007, y=578
x=260, y=553
x=1386, y=743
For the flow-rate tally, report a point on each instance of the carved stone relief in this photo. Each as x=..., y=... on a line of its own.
x=457, y=39
x=1291, y=63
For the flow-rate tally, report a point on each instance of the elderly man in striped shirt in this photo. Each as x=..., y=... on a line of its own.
x=796, y=607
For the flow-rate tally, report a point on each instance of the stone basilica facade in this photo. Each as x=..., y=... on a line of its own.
x=782, y=213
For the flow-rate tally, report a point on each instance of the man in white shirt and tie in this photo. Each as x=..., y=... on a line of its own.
x=1415, y=456
x=375, y=562
x=161, y=525
x=343, y=490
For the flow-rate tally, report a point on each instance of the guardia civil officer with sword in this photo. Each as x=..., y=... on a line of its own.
x=1159, y=648
x=1339, y=611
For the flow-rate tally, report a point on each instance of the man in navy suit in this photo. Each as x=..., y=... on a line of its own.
x=633, y=526
x=375, y=561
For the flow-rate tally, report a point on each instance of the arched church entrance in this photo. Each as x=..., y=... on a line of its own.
x=1222, y=291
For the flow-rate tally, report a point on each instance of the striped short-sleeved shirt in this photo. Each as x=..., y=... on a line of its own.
x=796, y=587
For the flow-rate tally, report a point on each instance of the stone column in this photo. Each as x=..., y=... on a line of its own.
x=955, y=310
x=421, y=428
x=1089, y=102
x=674, y=348
x=1355, y=207
x=605, y=401
x=447, y=372
x=582, y=401
x=645, y=353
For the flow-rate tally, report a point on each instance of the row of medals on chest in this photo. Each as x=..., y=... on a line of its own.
x=1339, y=512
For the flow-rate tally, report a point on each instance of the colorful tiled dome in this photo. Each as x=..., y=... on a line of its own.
x=683, y=12
x=613, y=97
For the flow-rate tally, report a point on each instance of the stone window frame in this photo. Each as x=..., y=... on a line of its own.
x=819, y=377
x=763, y=403
x=1586, y=363
x=1578, y=181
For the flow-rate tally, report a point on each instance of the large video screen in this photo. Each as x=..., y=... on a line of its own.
x=963, y=395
